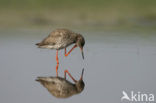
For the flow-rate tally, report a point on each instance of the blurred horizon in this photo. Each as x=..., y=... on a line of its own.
x=78, y=14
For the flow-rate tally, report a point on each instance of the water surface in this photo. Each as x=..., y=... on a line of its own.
x=114, y=61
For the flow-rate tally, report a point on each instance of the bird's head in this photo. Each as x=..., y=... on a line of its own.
x=80, y=43
x=80, y=84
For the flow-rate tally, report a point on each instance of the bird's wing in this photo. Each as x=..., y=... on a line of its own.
x=57, y=37
x=45, y=79
x=50, y=40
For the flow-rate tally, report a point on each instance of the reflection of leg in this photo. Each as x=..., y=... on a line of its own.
x=57, y=63
x=65, y=51
x=66, y=54
x=66, y=71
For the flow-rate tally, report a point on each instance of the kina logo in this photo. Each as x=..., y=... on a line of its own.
x=138, y=97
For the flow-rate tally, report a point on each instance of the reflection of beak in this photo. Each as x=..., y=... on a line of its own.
x=82, y=53
x=81, y=78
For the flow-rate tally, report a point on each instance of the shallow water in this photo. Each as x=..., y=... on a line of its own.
x=114, y=61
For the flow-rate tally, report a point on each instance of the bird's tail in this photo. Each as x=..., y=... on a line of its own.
x=38, y=44
x=45, y=79
x=38, y=79
x=41, y=79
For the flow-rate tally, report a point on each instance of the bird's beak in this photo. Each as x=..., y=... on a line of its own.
x=81, y=78
x=82, y=53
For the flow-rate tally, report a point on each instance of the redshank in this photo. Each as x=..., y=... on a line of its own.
x=62, y=38
x=60, y=87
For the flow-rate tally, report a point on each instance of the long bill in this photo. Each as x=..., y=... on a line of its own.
x=81, y=78
x=82, y=53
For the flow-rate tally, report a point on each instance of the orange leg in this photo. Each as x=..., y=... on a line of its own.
x=57, y=63
x=66, y=54
x=66, y=71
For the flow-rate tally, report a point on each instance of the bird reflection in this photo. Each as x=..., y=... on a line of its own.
x=62, y=88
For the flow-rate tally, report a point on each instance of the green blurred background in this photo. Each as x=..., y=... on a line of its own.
x=93, y=14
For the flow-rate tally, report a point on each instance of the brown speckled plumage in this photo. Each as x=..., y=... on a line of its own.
x=59, y=39
x=60, y=87
x=62, y=38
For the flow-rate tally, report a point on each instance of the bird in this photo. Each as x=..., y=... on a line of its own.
x=61, y=39
x=62, y=88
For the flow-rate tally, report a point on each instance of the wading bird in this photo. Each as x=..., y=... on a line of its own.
x=60, y=39
x=60, y=87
